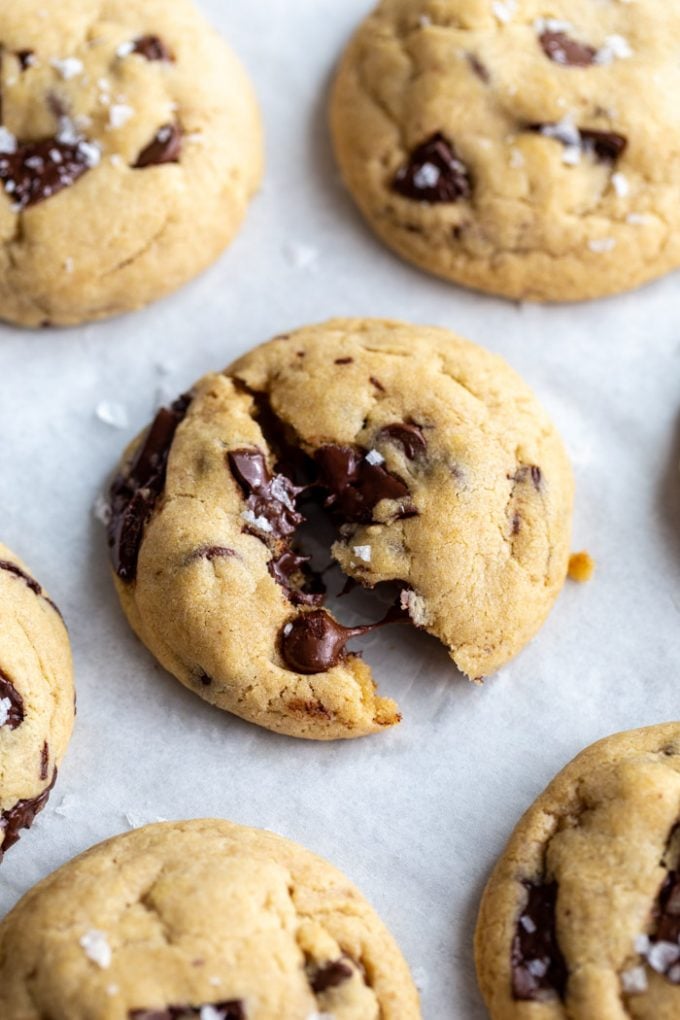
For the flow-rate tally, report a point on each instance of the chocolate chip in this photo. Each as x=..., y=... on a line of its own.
x=355, y=485
x=44, y=760
x=25, y=58
x=135, y=492
x=288, y=568
x=15, y=712
x=269, y=497
x=21, y=816
x=233, y=1010
x=562, y=49
x=165, y=147
x=152, y=47
x=607, y=145
x=408, y=435
x=39, y=170
x=526, y=472
x=434, y=173
x=330, y=975
x=516, y=524
x=315, y=642
x=204, y=678
x=376, y=382
x=344, y=361
x=539, y=972
x=479, y=68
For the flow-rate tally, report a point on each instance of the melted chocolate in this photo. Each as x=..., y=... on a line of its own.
x=211, y=552
x=152, y=47
x=12, y=568
x=16, y=713
x=562, y=49
x=21, y=816
x=135, y=492
x=330, y=976
x=608, y=146
x=355, y=485
x=25, y=58
x=315, y=642
x=434, y=173
x=232, y=1010
x=164, y=147
x=39, y=170
x=288, y=567
x=408, y=435
x=271, y=497
x=539, y=972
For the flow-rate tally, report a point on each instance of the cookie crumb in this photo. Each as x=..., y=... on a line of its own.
x=581, y=567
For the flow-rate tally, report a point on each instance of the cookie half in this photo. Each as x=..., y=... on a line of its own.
x=439, y=468
x=581, y=917
x=37, y=698
x=130, y=145
x=200, y=919
x=519, y=149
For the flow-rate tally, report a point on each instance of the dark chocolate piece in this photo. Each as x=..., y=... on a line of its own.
x=232, y=1010
x=526, y=472
x=21, y=816
x=12, y=568
x=268, y=496
x=667, y=929
x=152, y=47
x=25, y=58
x=135, y=492
x=39, y=170
x=355, y=485
x=211, y=552
x=608, y=146
x=562, y=49
x=289, y=567
x=539, y=972
x=479, y=68
x=376, y=382
x=164, y=147
x=434, y=173
x=15, y=713
x=409, y=436
x=344, y=361
x=314, y=642
x=44, y=760
x=330, y=975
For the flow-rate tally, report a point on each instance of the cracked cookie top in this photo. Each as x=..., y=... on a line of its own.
x=581, y=917
x=200, y=919
x=37, y=699
x=438, y=468
x=517, y=148
x=129, y=148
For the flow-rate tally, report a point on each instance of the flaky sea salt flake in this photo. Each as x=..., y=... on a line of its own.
x=363, y=552
x=97, y=948
x=374, y=457
x=602, y=245
x=8, y=142
x=68, y=68
x=504, y=10
x=634, y=981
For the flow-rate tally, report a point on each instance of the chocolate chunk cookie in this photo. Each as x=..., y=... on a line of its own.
x=439, y=469
x=200, y=919
x=517, y=148
x=129, y=148
x=36, y=697
x=581, y=917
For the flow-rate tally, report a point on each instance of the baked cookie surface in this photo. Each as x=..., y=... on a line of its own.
x=130, y=145
x=439, y=468
x=524, y=150
x=581, y=918
x=200, y=919
x=36, y=697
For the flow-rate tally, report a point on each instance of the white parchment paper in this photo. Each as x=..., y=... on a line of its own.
x=416, y=816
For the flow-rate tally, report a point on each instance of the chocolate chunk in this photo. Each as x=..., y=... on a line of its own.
x=233, y=1010
x=539, y=972
x=434, y=173
x=315, y=642
x=165, y=147
x=211, y=552
x=12, y=568
x=269, y=497
x=355, y=485
x=44, y=760
x=39, y=170
x=329, y=976
x=21, y=816
x=25, y=58
x=667, y=926
x=152, y=47
x=344, y=361
x=479, y=68
x=526, y=472
x=606, y=145
x=567, y=51
x=15, y=712
x=286, y=568
x=409, y=436
x=135, y=492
